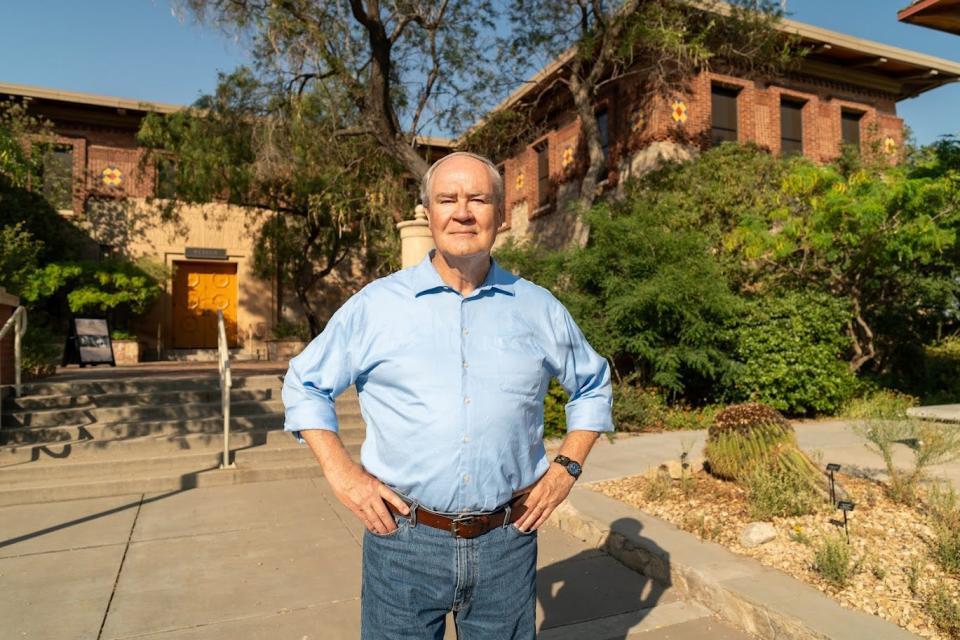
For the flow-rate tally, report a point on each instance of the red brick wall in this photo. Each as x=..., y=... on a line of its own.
x=758, y=107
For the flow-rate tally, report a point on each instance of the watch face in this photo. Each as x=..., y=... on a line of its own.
x=574, y=468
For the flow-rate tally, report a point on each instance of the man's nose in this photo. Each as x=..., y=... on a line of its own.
x=462, y=212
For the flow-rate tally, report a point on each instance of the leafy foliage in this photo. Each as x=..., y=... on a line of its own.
x=314, y=199
x=790, y=349
x=833, y=560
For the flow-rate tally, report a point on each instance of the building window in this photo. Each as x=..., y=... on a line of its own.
x=603, y=125
x=543, y=173
x=723, y=114
x=791, y=127
x=850, y=127
x=55, y=174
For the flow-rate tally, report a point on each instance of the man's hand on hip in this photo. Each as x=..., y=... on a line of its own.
x=364, y=495
x=549, y=491
x=359, y=491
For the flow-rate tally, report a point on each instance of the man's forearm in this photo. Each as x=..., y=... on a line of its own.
x=577, y=445
x=326, y=445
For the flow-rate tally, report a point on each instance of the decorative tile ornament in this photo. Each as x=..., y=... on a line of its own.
x=520, y=181
x=679, y=111
x=111, y=177
x=567, y=159
x=889, y=145
x=639, y=121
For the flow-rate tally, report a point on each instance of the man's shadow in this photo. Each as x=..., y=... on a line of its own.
x=594, y=589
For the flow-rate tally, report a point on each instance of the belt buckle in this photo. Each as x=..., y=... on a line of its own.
x=461, y=520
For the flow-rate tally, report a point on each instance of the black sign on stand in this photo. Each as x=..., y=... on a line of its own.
x=89, y=343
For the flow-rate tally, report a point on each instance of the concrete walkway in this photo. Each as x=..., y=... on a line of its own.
x=833, y=440
x=270, y=560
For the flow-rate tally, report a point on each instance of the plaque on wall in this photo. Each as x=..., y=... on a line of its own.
x=89, y=343
x=204, y=253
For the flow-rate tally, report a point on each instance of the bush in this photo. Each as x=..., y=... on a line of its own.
x=42, y=352
x=771, y=494
x=554, y=411
x=930, y=443
x=879, y=403
x=789, y=349
x=284, y=330
x=944, y=507
x=637, y=409
x=833, y=560
x=944, y=610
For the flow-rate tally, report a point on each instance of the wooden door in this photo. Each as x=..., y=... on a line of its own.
x=199, y=289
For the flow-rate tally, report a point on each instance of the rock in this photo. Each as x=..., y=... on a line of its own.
x=756, y=534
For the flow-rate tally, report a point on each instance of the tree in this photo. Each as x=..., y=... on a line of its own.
x=318, y=198
x=404, y=66
x=658, y=44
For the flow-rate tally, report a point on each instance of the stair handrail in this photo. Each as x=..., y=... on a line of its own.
x=226, y=382
x=18, y=323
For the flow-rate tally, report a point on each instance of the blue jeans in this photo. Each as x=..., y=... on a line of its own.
x=414, y=576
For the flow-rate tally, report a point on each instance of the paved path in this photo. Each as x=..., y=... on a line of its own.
x=833, y=440
x=270, y=560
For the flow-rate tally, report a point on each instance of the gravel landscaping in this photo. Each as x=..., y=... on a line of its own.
x=891, y=571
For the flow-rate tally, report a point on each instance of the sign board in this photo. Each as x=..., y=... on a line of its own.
x=204, y=253
x=89, y=343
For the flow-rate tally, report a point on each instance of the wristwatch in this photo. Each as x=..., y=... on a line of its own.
x=573, y=467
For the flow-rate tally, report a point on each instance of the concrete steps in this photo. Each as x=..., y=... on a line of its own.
x=97, y=438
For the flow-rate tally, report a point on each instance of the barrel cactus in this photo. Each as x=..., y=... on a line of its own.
x=749, y=438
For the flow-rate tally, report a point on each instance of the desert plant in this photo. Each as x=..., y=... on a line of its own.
x=833, y=560
x=930, y=443
x=771, y=494
x=659, y=486
x=944, y=507
x=944, y=609
x=880, y=403
x=752, y=438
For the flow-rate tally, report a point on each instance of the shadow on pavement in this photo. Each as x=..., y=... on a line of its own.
x=580, y=589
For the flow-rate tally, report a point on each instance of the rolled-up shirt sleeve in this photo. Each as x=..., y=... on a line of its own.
x=322, y=371
x=586, y=377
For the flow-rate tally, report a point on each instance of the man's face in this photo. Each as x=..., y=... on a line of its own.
x=463, y=214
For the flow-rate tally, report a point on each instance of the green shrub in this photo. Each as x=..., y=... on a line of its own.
x=636, y=409
x=790, y=349
x=42, y=351
x=120, y=334
x=771, y=494
x=879, y=403
x=944, y=507
x=930, y=443
x=833, y=560
x=944, y=609
x=554, y=411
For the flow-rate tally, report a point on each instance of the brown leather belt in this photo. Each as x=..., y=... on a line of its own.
x=467, y=526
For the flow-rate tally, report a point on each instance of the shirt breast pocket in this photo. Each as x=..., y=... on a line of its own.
x=520, y=368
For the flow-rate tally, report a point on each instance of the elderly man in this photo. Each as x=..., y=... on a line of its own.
x=451, y=360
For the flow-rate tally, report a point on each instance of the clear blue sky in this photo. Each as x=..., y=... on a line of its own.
x=138, y=49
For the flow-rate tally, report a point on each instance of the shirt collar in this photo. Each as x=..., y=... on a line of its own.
x=426, y=279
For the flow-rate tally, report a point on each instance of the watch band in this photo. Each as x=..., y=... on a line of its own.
x=573, y=467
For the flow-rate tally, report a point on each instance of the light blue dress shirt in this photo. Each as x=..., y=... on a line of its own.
x=451, y=387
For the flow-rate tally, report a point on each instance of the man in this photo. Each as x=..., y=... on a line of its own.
x=451, y=360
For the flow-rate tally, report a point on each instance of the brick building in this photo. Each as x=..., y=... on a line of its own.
x=96, y=179
x=845, y=91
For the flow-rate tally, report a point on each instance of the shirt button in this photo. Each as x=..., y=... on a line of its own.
x=465, y=365
x=466, y=400
x=466, y=438
x=466, y=331
x=466, y=479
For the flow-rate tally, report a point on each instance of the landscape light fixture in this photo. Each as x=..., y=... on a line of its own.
x=845, y=506
x=831, y=467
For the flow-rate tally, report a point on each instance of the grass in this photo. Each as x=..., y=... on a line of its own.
x=833, y=560
x=881, y=403
x=944, y=507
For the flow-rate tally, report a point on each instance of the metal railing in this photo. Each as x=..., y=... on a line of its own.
x=223, y=361
x=18, y=323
